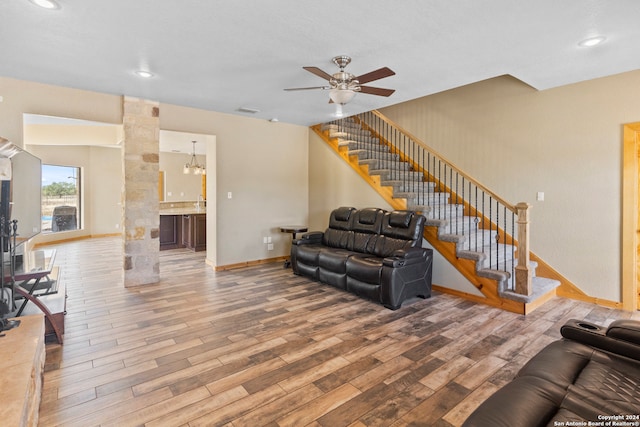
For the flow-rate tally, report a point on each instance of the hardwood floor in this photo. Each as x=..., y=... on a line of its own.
x=259, y=346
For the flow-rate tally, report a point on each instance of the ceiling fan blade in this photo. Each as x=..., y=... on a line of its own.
x=318, y=72
x=307, y=88
x=376, y=91
x=380, y=73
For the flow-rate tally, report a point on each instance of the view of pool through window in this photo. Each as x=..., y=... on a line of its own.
x=60, y=198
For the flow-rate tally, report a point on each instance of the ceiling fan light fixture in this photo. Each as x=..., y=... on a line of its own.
x=341, y=96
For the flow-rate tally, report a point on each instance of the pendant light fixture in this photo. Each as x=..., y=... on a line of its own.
x=193, y=166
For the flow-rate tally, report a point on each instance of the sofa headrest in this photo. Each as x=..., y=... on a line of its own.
x=341, y=218
x=405, y=225
x=342, y=213
x=400, y=219
x=368, y=220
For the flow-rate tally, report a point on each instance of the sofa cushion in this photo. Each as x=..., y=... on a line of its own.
x=308, y=254
x=367, y=290
x=334, y=260
x=560, y=363
x=611, y=381
x=365, y=268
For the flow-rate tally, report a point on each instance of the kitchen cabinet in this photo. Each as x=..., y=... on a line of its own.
x=194, y=231
x=170, y=232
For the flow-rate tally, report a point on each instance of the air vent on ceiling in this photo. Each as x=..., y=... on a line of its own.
x=248, y=110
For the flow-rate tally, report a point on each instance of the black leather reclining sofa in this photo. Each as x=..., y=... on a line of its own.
x=590, y=377
x=370, y=252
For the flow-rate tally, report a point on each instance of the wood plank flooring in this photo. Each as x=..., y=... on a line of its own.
x=258, y=346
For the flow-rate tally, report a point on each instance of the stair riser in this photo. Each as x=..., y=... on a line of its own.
x=382, y=164
x=439, y=211
x=410, y=187
x=428, y=198
x=387, y=175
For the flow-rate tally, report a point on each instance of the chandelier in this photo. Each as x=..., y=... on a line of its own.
x=193, y=166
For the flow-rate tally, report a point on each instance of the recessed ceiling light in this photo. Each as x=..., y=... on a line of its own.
x=592, y=41
x=47, y=4
x=144, y=74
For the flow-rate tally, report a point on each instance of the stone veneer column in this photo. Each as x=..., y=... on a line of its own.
x=140, y=192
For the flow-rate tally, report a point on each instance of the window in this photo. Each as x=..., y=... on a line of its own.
x=60, y=198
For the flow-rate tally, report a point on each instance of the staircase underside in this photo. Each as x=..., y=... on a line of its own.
x=491, y=283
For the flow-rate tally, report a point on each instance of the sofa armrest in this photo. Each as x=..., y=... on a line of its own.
x=309, y=238
x=621, y=337
x=407, y=256
x=625, y=330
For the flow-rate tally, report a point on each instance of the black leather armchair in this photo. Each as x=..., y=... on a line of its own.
x=369, y=252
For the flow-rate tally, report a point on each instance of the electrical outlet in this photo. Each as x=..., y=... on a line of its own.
x=264, y=240
x=270, y=247
x=229, y=195
x=269, y=239
x=540, y=196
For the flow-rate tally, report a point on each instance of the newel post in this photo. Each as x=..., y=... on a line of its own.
x=523, y=270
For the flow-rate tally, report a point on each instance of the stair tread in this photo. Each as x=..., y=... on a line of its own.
x=540, y=287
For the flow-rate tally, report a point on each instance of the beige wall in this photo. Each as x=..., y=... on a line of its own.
x=332, y=183
x=178, y=186
x=565, y=142
x=263, y=164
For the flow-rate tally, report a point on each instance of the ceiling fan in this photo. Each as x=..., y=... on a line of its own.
x=343, y=85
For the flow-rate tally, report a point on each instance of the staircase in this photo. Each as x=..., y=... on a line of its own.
x=470, y=226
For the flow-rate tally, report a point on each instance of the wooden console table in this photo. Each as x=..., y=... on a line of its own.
x=22, y=357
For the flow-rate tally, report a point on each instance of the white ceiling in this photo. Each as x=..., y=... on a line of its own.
x=224, y=55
